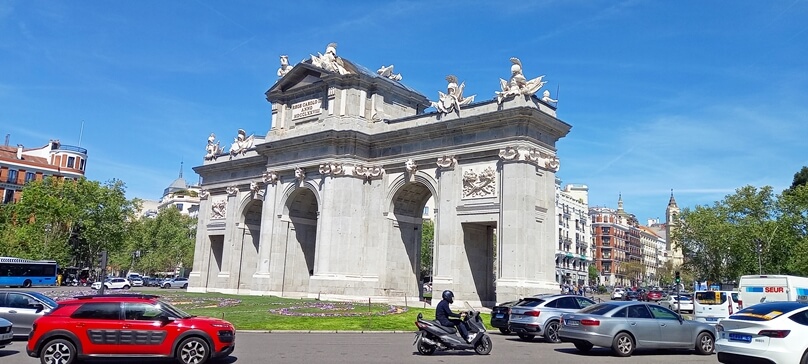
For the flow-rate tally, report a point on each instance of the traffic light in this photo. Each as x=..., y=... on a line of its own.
x=678, y=278
x=102, y=260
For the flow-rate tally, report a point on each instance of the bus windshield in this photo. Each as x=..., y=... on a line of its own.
x=16, y=272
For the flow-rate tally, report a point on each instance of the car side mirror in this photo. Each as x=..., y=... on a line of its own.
x=39, y=307
x=165, y=320
x=681, y=319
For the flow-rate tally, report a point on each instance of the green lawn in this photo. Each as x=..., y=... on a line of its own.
x=274, y=313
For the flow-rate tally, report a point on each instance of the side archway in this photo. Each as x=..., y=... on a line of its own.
x=248, y=238
x=407, y=199
x=301, y=211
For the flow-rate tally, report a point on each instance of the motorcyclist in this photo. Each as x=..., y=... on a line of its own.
x=443, y=314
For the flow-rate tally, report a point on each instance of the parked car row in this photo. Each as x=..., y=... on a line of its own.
x=773, y=332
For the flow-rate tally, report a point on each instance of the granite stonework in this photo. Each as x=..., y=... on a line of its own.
x=329, y=203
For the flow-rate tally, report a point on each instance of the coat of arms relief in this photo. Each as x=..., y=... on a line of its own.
x=479, y=182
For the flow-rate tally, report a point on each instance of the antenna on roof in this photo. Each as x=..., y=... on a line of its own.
x=7, y=136
x=558, y=88
x=181, y=162
x=81, y=132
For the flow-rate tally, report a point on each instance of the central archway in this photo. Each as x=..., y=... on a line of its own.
x=408, y=212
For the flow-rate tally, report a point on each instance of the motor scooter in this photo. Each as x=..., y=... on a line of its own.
x=433, y=336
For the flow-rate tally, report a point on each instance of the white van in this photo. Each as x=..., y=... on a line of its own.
x=766, y=288
x=711, y=306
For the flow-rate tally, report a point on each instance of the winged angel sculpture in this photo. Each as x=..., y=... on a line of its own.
x=329, y=61
x=518, y=84
x=453, y=99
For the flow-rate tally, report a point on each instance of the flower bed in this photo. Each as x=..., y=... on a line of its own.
x=333, y=309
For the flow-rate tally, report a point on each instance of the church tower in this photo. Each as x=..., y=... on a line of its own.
x=671, y=220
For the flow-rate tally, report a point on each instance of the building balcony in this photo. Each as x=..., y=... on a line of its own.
x=71, y=148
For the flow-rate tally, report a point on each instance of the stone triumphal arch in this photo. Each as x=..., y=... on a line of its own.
x=329, y=203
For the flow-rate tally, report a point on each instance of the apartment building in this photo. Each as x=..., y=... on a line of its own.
x=20, y=165
x=574, y=251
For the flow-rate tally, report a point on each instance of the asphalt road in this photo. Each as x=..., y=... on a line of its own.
x=354, y=348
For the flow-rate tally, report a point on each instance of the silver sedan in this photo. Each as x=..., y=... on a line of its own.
x=625, y=326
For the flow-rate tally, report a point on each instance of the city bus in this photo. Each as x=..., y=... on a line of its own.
x=16, y=272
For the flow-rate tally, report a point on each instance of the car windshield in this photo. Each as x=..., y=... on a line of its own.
x=530, y=302
x=598, y=309
x=45, y=299
x=173, y=310
x=766, y=311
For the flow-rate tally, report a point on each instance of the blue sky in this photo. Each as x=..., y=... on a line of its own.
x=701, y=97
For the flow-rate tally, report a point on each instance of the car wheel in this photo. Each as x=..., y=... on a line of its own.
x=504, y=331
x=804, y=359
x=526, y=337
x=193, y=350
x=583, y=346
x=551, y=332
x=623, y=344
x=126, y=287
x=185, y=286
x=484, y=345
x=166, y=286
x=27, y=283
x=705, y=344
x=58, y=351
x=423, y=347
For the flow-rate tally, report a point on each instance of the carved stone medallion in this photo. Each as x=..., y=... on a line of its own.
x=479, y=182
x=218, y=209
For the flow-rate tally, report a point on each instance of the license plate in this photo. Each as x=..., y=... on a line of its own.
x=500, y=315
x=712, y=319
x=573, y=322
x=740, y=337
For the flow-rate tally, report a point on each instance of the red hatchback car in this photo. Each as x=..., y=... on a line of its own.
x=653, y=296
x=127, y=325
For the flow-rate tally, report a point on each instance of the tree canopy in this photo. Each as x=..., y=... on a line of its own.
x=751, y=231
x=70, y=221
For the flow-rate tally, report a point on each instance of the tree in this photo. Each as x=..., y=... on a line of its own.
x=160, y=244
x=665, y=273
x=744, y=233
x=800, y=179
x=593, y=274
x=794, y=208
x=633, y=270
x=43, y=224
x=427, y=244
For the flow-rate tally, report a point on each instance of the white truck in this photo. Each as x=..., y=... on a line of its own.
x=766, y=288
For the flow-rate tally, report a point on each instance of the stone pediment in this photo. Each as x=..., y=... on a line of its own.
x=300, y=76
x=309, y=93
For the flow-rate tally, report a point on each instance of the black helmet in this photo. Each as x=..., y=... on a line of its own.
x=448, y=296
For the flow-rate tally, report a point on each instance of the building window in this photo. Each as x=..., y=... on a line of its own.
x=426, y=211
x=8, y=196
x=82, y=164
x=71, y=161
x=29, y=176
x=179, y=206
x=12, y=176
